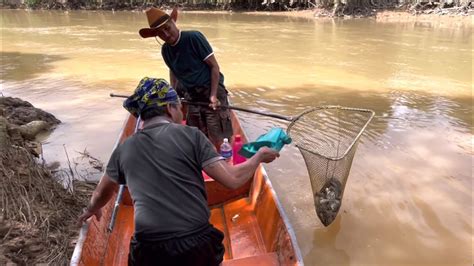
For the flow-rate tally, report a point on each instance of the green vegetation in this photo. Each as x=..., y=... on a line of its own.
x=329, y=7
x=33, y=3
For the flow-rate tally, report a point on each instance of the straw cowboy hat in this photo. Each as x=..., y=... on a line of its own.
x=156, y=19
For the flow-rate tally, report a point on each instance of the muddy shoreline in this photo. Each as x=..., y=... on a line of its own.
x=432, y=17
x=388, y=16
x=415, y=13
x=38, y=217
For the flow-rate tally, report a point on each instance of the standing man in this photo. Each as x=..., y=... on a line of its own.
x=193, y=68
x=162, y=166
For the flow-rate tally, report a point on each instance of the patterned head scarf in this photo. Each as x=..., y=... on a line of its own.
x=150, y=92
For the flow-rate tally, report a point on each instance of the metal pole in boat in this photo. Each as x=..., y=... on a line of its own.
x=118, y=199
x=116, y=206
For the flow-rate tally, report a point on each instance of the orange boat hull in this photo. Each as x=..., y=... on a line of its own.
x=256, y=229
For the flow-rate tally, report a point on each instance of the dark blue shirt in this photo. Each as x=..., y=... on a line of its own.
x=186, y=60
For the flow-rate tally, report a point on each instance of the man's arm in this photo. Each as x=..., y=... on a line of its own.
x=235, y=176
x=214, y=66
x=101, y=195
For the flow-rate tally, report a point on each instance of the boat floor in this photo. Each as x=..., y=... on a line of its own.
x=243, y=241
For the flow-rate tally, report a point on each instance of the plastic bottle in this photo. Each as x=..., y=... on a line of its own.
x=226, y=150
x=236, y=157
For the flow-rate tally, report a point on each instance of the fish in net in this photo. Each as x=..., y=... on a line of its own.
x=327, y=137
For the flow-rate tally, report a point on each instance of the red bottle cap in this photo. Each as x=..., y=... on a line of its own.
x=237, y=137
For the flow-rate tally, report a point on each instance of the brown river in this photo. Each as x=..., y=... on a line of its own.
x=409, y=196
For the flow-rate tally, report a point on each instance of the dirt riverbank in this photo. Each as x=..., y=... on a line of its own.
x=37, y=221
x=391, y=16
x=453, y=15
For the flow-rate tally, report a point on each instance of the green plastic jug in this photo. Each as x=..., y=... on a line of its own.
x=276, y=138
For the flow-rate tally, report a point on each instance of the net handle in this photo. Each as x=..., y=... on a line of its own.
x=372, y=114
x=290, y=119
x=278, y=116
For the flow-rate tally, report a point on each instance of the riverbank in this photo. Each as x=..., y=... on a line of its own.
x=37, y=222
x=464, y=18
x=432, y=17
x=432, y=12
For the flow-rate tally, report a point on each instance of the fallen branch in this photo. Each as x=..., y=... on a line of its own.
x=68, y=161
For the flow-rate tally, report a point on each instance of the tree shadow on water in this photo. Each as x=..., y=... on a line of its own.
x=18, y=66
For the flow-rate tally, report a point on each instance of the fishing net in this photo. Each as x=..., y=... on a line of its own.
x=327, y=138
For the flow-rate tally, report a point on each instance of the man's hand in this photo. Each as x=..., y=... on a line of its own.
x=234, y=176
x=88, y=213
x=214, y=102
x=267, y=155
x=101, y=195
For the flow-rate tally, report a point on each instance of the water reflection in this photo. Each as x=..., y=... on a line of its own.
x=396, y=109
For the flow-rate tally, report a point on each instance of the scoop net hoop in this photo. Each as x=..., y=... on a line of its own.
x=327, y=137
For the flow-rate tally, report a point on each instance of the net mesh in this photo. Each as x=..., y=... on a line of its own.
x=327, y=138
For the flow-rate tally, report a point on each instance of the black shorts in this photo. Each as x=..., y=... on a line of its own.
x=216, y=124
x=203, y=248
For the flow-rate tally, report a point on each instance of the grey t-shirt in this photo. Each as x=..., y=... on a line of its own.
x=162, y=167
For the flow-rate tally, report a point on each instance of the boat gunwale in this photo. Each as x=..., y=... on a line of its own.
x=77, y=253
x=281, y=210
x=284, y=217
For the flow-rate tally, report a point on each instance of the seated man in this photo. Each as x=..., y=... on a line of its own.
x=162, y=166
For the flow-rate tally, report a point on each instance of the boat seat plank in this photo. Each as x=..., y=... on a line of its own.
x=268, y=259
x=244, y=233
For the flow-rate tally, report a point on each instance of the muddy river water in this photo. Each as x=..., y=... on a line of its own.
x=408, y=200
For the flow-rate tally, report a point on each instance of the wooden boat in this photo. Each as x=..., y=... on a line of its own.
x=256, y=229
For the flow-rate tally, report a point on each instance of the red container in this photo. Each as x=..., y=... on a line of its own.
x=237, y=145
